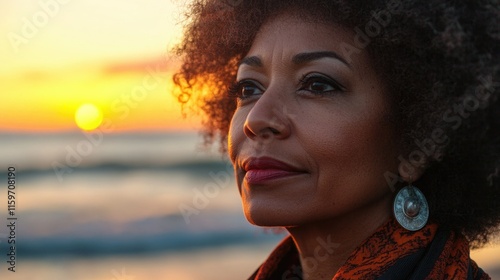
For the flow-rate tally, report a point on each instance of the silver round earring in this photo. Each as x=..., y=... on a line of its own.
x=410, y=208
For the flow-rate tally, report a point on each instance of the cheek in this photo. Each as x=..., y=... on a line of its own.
x=354, y=155
x=236, y=135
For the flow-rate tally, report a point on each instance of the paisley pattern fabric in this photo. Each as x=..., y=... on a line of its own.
x=390, y=253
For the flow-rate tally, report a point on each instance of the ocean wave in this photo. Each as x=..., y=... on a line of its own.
x=97, y=246
x=195, y=167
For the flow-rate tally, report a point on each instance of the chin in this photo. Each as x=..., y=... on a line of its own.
x=272, y=216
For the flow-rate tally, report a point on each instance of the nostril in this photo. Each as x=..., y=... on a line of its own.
x=264, y=133
x=274, y=130
x=268, y=133
x=248, y=132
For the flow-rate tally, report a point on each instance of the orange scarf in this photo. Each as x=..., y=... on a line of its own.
x=390, y=253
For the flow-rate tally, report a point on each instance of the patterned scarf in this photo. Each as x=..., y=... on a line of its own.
x=390, y=253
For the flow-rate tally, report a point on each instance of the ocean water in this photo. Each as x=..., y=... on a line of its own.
x=130, y=206
x=124, y=206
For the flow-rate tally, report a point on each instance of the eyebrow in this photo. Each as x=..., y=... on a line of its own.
x=251, y=61
x=302, y=58
x=299, y=58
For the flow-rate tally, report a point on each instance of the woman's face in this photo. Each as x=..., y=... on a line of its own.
x=310, y=140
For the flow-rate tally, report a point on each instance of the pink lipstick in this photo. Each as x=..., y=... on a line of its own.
x=264, y=169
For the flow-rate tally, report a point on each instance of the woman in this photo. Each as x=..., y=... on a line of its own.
x=367, y=129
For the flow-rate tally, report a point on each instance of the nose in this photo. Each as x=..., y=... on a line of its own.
x=268, y=119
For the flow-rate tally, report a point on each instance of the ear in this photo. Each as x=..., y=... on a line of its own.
x=412, y=172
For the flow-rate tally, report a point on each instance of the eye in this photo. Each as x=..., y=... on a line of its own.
x=245, y=89
x=319, y=84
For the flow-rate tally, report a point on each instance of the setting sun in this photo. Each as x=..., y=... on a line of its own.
x=88, y=117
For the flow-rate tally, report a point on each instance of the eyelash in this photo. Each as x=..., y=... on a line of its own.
x=235, y=90
x=308, y=79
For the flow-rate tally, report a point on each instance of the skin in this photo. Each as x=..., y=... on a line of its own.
x=339, y=137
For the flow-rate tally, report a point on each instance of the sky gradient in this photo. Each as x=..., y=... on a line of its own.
x=59, y=54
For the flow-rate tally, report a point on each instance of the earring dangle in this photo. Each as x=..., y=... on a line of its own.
x=410, y=208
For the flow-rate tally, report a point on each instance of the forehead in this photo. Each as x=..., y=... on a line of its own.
x=285, y=36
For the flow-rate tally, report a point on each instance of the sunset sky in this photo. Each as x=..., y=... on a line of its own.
x=57, y=55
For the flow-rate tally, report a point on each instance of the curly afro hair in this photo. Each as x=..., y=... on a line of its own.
x=439, y=59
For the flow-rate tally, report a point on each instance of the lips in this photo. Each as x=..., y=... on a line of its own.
x=264, y=169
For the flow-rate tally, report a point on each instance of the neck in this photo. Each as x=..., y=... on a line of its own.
x=324, y=246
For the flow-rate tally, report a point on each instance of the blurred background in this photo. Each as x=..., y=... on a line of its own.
x=111, y=181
